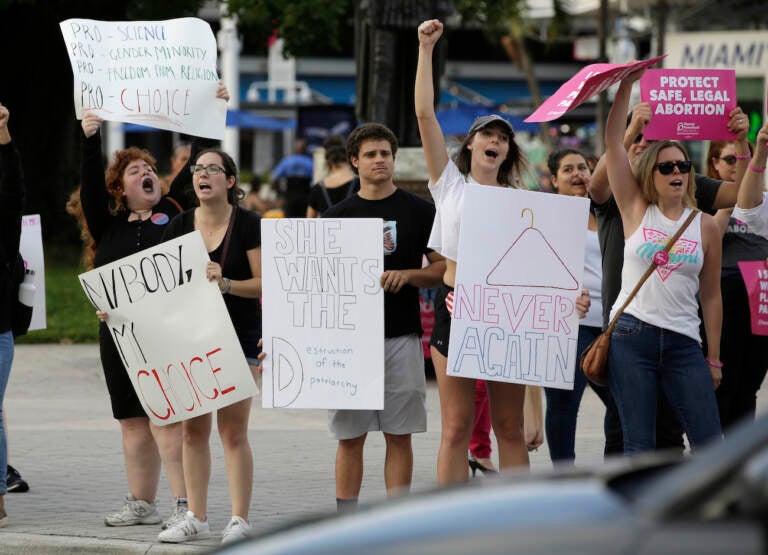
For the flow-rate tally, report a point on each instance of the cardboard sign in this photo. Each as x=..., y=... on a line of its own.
x=323, y=313
x=689, y=104
x=755, y=275
x=160, y=74
x=514, y=314
x=172, y=330
x=31, y=249
x=589, y=81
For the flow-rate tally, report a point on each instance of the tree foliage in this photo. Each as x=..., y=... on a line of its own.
x=306, y=26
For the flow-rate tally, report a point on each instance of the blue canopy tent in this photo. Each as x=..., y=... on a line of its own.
x=457, y=121
x=235, y=118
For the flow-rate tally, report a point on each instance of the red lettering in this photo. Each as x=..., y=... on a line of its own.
x=217, y=369
x=141, y=391
x=186, y=383
x=193, y=380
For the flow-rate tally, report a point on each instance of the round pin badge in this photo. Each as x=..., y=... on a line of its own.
x=661, y=258
x=160, y=218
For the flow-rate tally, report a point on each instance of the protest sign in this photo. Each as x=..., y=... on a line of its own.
x=689, y=104
x=156, y=73
x=755, y=274
x=323, y=313
x=172, y=330
x=514, y=314
x=588, y=82
x=31, y=249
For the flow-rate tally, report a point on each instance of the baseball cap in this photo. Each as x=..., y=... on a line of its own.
x=484, y=121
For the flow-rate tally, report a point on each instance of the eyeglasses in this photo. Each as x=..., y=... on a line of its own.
x=666, y=168
x=210, y=169
x=730, y=159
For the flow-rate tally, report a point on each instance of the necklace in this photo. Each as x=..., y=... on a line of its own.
x=210, y=229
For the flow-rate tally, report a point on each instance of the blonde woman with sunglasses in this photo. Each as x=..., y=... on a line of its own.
x=657, y=340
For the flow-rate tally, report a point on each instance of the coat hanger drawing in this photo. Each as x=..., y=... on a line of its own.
x=512, y=270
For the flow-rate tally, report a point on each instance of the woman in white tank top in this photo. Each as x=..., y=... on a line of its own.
x=656, y=341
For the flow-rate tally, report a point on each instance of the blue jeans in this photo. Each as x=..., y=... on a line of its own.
x=6, y=359
x=642, y=357
x=563, y=409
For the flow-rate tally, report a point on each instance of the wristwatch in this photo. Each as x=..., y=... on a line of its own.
x=227, y=285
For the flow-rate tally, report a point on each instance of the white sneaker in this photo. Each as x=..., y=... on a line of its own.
x=135, y=511
x=237, y=529
x=189, y=528
x=178, y=513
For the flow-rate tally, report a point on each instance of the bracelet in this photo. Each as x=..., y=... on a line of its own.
x=714, y=364
x=742, y=156
x=227, y=286
x=755, y=169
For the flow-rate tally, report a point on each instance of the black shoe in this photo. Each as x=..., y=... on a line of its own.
x=474, y=466
x=15, y=483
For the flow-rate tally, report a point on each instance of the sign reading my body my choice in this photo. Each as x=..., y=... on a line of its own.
x=156, y=73
x=323, y=313
x=689, y=104
x=172, y=330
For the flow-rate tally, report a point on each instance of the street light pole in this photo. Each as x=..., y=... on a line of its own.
x=229, y=46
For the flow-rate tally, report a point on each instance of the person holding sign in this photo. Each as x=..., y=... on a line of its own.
x=710, y=194
x=656, y=340
x=125, y=213
x=489, y=155
x=744, y=353
x=232, y=236
x=371, y=149
x=11, y=205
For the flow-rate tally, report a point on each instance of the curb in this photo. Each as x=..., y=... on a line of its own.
x=36, y=544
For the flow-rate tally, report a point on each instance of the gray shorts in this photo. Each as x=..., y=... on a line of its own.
x=405, y=395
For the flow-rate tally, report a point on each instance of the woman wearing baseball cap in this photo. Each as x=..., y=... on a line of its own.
x=490, y=156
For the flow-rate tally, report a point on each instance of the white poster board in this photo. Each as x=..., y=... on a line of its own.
x=156, y=73
x=172, y=330
x=521, y=260
x=323, y=313
x=31, y=249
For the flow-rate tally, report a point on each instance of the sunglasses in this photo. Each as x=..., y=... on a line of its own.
x=730, y=159
x=666, y=168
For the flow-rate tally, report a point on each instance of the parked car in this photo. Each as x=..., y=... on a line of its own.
x=712, y=502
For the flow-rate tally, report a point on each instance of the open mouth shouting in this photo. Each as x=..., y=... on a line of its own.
x=491, y=153
x=147, y=185
x=676, y=183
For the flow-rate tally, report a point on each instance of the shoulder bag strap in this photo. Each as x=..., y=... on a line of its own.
x=325, y=194
x=650, y=270
x=227, y=237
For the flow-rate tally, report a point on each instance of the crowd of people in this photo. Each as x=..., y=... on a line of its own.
x=683, y=360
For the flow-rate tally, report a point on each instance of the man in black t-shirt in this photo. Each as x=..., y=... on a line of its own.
x=371, y=150
x=711, y=195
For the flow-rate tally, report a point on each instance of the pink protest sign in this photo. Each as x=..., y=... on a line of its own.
x=591, y=80
x=689, y=104
x=755, y=276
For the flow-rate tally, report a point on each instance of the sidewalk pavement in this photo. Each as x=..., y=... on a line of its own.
x=63, y=440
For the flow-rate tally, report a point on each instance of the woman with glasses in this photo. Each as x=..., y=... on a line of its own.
x=126, y=212
x=657, y=340
x=744, y=354
x=232, y=236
